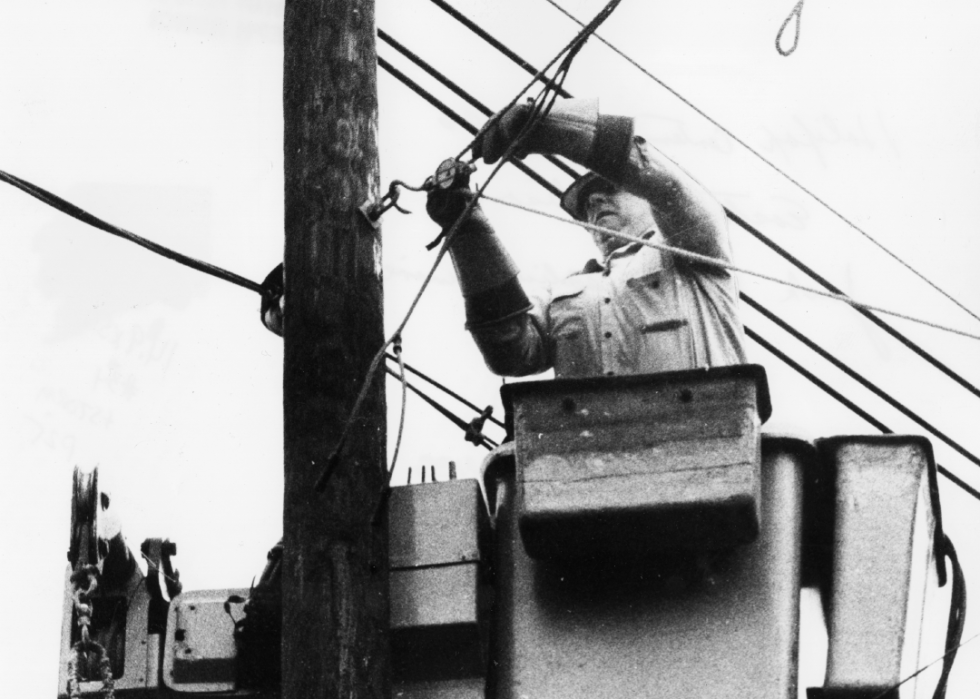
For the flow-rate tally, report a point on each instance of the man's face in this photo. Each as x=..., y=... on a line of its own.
x=617, y=210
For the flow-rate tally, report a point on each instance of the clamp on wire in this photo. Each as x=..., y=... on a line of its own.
x=474, y=431
x=450, y=174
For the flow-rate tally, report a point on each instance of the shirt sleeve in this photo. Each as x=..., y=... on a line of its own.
x=519, y=345
x=687, y=214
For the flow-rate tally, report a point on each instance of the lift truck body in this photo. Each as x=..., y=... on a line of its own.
x=638, y=537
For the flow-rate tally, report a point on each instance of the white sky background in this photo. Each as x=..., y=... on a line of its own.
x=165, y=118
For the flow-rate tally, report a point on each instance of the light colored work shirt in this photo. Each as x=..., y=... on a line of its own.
x=646, y=311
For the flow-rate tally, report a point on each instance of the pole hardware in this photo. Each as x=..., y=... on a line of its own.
x=474, y=430
x=373, y=210
x=450, y=174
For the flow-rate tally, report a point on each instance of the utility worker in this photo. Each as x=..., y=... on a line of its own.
x=640, y=310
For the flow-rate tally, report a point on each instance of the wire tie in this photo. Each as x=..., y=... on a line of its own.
x=474, y=432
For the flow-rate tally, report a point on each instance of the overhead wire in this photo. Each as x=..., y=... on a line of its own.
x=768, y=162
x=80, y=214
x=858, y=377
x=495, y=43
x=799, y=368
x=704, y=259
x=952, y=651
x=789, y=257
x=448, y=391
x=442, y=410
x=845, y=401
x=459, y=120
x=461, y=93
x=833, y=292
x=909, y=344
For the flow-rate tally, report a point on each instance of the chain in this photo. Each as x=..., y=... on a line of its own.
x=78, y=659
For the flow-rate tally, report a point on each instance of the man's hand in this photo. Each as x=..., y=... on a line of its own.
x=444, y=206
x=502, y=130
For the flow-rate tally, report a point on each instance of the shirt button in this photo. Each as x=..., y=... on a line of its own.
x=607, y=334
x=607, y=299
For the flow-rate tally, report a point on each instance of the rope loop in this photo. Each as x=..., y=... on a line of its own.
x=796, y=13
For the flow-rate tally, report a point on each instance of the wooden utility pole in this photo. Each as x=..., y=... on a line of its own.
x=335, y=560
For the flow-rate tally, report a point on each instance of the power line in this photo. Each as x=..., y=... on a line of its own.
x=75, y=212
x=82, y=215
x=857, y=377
x=846, y=402
x=444, y=411
x=951, y=651
x=704, y=259
x=431, y=99
x=461, y=93
x=480, y=32
x=786, y=255
x=448, y=391
x=768, y=162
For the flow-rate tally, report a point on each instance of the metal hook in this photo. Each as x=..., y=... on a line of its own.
x=373, y=210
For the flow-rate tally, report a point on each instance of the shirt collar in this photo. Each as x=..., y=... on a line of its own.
x=629, y=248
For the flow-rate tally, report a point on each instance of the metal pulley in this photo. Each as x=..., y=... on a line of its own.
x=83, y=544
x=450, y=174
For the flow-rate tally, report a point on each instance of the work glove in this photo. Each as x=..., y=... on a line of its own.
x=444, y=206
x=503, y=129
x=572, y=128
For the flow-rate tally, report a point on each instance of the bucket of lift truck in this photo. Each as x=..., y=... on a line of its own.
x=638, y=464
x=879, y=554
x=719, y=624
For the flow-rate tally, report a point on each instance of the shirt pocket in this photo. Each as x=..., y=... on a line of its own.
x=664, y=338
x=572, y=354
